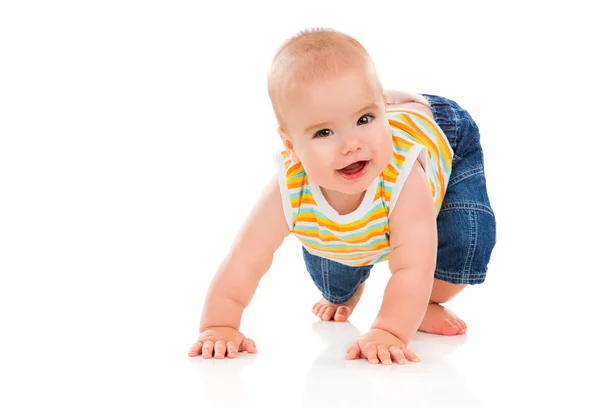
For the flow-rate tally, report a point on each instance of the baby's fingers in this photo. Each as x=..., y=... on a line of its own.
x=370, y=353
x=248, y=345
x=410, y=355
x=353, y=351
x=384, y=354
x=220, y=350
x=231, y=350
x=195, y=349
x=207, y=349
x=398, y=355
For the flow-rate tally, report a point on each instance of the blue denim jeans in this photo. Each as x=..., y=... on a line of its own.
x=466, y=223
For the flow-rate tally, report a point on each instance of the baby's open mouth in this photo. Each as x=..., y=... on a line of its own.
x=353, y=168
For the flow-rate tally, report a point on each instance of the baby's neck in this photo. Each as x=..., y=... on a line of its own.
x=343, y=203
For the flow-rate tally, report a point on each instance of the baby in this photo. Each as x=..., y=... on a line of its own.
x=365, y=177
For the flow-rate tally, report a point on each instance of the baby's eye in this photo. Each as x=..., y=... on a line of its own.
x=323, y=133
x=367, y=118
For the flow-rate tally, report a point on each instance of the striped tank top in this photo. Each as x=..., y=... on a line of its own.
x=361, y=238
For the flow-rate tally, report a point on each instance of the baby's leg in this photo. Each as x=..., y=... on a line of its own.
x=340, y=285
x=466, y=223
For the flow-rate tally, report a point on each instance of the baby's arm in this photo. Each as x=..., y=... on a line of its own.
x=249, y=258
x=413, y=239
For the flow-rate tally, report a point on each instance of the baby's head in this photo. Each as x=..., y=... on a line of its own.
x=330, y=107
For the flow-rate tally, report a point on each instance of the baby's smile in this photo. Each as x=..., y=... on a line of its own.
x=354, y=170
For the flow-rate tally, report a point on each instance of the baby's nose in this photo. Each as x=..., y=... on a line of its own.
x=351, y=142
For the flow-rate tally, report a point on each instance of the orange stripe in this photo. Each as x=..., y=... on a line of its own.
x=364, y=256
x=442, y=141
x=442, y=183
x=388, y=177
x=438, y=163
x=332, y=238
x=294, y=170
x=402, y=142
x=312, y=217
x=443, y=144
x=354, y=226
x=347, y=250
x=421, y=137
x=306, y=199
x=295, y=183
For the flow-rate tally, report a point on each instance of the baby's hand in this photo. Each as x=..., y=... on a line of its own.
x=377, y=345
x=224, y=341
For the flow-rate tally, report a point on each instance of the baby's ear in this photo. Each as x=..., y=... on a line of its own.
x=287, y=144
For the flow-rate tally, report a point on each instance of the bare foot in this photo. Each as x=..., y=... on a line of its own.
x=340, y=312
x=442, y=321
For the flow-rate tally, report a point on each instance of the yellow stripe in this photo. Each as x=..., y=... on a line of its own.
x=345, y=249
x=442, y=141
x=427, y=141
x=379, y=231
x=306, y=198
x=398, y=159
x=312, y=217
x=420, y=136
x=399, y=141
x=355, y=258
x=443, y=145
x=295, y=182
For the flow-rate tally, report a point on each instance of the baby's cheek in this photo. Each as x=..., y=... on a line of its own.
x=384, y=146
x=312, y=164
x=315, y=157
x=318, y=168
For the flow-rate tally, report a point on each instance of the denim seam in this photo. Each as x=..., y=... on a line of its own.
x=459, y=278
x=473, y=229
x=456, y=158
x=338, y=300
x=475, y=206
x=465, y=175
x=325, y=276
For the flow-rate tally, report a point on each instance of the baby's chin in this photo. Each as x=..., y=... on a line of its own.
x=353, y=188
x=334, y=181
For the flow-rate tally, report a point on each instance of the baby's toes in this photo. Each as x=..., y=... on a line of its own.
x=341, y=314
x=328, y=313
x=461, y=325
x=316, y=308
x=321, y=310
x=448, y=328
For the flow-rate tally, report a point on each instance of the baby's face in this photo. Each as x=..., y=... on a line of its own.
x=334, y=122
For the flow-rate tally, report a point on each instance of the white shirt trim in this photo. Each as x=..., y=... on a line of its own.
x=283, y=190
x=365, y=206
x=418, y=152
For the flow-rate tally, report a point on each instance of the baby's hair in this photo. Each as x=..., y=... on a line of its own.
x=311, y=54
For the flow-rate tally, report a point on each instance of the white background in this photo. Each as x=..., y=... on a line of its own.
x=124, y=124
